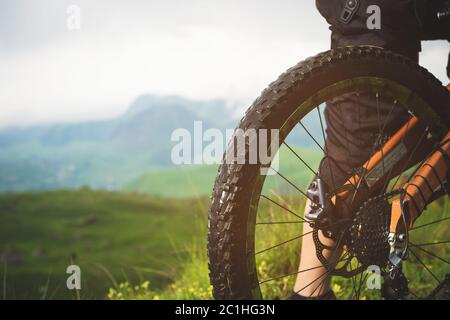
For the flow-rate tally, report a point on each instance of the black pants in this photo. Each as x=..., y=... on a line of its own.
x=353, y=120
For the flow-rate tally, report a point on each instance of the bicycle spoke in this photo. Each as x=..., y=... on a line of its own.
x=292, y=184
x=309, y=167
x=320, y=285
x=421, y=163
x=380, y=133
x=280, y=222
x=347, y=142
x=429, y=253
x=312, y=282
x=283, y=207
x=353, y=279
x=363, y=279
x=358, y=186
x=344, y=257
x=322, y=282
x=425, y=266
x=298, y=157
x=300, y=122
x=358, y=283
x=430, y=223
x=415, y=295
x=394, y=104
x=432, y=243
x=290, y=274
x=283, y=243
x=321, y=124
x=324, y=143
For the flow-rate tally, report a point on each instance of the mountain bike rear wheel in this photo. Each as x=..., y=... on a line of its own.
x=238, y=199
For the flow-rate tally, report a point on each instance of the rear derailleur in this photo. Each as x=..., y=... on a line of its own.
x=324, y=216
x=395, y=285
x=321, y=214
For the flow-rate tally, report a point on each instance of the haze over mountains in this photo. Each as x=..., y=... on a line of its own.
x=110, y=154
x=102, y=154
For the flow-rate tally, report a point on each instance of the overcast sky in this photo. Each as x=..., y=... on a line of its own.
x=201, y=49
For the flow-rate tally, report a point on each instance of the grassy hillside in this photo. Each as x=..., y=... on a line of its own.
x=113, y=237
x=140, y=247
x=179, y=182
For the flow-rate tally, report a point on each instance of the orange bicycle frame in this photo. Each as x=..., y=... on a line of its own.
x=393, y=158
x=419, y=190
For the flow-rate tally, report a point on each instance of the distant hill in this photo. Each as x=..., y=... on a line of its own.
x=102, y=154
x=114, y=153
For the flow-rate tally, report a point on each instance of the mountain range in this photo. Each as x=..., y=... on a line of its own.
x=102, y=154
x=111, y=154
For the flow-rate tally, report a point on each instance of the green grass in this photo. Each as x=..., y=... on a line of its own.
x=133, y=246
x=178, y=182
x=193, y=282
x=113, y=237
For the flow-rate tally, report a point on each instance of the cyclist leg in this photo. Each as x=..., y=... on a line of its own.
x=353, y=119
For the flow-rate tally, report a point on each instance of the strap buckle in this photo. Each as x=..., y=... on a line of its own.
x=349, y=10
